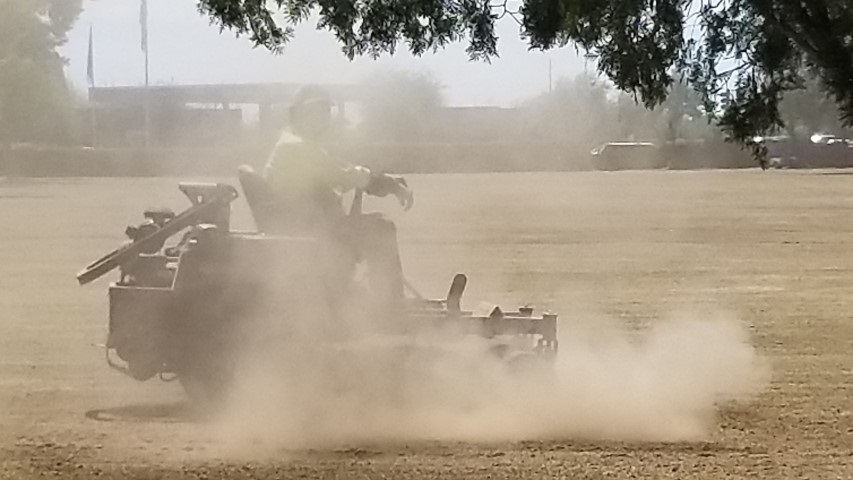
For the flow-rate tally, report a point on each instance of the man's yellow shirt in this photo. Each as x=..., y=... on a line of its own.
x=306, y=178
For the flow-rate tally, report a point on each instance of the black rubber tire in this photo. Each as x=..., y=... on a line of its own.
x=206, y=372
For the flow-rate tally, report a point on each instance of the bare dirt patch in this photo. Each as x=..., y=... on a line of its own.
x=769, y=250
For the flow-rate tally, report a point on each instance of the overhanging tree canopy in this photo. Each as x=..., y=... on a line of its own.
x=740, y=55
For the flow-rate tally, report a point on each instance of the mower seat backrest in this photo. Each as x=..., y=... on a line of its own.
x=259, y=196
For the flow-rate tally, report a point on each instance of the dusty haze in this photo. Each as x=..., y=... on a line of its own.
x=664, y=383
x=613, y=254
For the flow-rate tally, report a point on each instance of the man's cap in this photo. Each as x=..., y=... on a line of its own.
x=312, y=95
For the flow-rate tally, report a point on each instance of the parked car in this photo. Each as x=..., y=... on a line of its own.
x=627, y=156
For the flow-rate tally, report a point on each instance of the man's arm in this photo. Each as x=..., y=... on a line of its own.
x=375, y=184
x=351, y=177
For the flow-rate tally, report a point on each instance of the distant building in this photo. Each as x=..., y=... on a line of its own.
x=195, y=115
x=475, y=124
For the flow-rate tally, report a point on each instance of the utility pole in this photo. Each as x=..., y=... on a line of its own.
x=550, y=77
x=586, y=58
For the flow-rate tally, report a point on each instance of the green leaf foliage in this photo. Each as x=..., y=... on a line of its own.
x=740, y=56
x=35, y=101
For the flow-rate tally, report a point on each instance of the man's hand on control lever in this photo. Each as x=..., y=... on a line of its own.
x=382, y=185
x=404, y=193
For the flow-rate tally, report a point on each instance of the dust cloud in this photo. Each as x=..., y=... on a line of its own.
x=663, y=384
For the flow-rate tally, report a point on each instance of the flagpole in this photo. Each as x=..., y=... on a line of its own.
x=146, y=68
x=147, y=109
x=90, y=79
x=143, y=19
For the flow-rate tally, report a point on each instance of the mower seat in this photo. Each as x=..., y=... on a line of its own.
x=262, y=202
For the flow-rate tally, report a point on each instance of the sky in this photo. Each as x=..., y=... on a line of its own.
x=186, y=49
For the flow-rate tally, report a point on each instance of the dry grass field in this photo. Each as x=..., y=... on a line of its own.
x=771, y=250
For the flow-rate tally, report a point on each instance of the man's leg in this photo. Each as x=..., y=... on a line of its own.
x=376, y=238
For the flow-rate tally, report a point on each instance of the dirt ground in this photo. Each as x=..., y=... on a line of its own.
x=771, y=248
